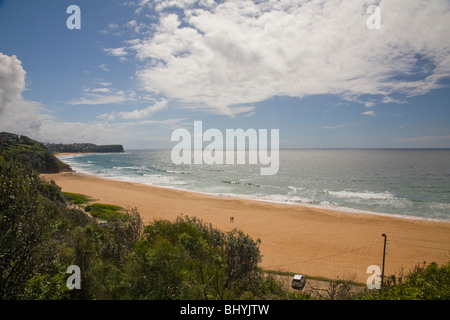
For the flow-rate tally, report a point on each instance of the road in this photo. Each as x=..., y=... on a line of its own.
x=322, y=289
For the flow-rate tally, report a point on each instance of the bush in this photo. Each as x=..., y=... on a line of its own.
x=26, y=226
x=106, y=211
x=76, y=198
x=40, y=236
x=188, y=259
x=422, y=283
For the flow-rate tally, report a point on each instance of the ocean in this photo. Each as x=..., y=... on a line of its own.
x=411, y=183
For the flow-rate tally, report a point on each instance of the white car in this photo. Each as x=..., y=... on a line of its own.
x=298, y=282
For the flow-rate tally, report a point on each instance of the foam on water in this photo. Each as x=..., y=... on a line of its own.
x=363, y=195
x=407, y=183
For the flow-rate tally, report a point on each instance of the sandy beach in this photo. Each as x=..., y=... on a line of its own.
x=312, y=241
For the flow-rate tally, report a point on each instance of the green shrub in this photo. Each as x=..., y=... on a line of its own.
x=30, y=153
x=76, y=198
x=430, y=282
x=188, y=259
x=106, y=211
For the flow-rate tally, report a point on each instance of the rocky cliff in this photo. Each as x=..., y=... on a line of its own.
x=31, y=153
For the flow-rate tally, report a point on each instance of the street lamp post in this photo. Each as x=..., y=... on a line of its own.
x=384, y=256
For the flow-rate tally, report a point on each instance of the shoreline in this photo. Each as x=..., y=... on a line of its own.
x=64, y=154
x=244, y=197
x=251, y=198
x=294, y=238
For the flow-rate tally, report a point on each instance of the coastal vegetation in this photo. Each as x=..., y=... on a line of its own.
x=423, y=282
x=105, y=211
x=43, y=231
x=76, y=198
x=41, y=235
x=83, y=147
x=31, y=153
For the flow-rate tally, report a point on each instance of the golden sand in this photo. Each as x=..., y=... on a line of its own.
x=312, y=241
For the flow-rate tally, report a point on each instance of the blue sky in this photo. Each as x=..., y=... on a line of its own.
x=137, y=70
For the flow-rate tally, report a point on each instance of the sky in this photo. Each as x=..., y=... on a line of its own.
x=327, y=74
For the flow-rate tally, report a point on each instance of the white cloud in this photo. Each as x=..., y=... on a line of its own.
x=369, y=104
x=103, y=67
x=30, y=118
x=96, y=99
x=172, y=123
x=146, y=112
x=110, y=28
x=137, y=113
x=113, y=26
x=392, y=100
x=117, y=52
x=220, y=55
x=97, y=96
x=15, y=111
x=231, y=110
x=103, y=90
x=131, y=24
x=12, y=79
x=369, y=113
x=338, y=126
x=105, y=84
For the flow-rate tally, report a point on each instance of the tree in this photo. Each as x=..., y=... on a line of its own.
x=188, y=259
x=24, y=227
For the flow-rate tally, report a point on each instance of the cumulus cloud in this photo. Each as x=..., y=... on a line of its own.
x=30, y=118
x=12, y=79
x=15, y=111
x=235, y=53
